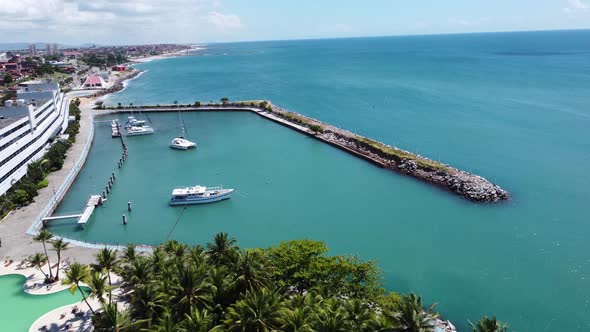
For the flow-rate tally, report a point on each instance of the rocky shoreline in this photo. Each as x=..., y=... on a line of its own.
x=118, y=85
x=473, y=187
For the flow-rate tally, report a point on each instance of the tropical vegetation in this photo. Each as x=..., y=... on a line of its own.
x=294, y=286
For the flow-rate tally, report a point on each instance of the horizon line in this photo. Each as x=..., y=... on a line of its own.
x=304, y=39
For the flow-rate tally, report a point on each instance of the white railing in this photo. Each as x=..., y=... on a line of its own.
x=58, y=195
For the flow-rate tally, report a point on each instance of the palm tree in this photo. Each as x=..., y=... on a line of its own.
x=221, y=279
x=197, y=255
x=197, y=321
x=256, y=312
x=138, y=272
x=166, y=324
x=296, y=320
x=129, y=253
x=147, y=302
x=97, y=282
x=413, y=317
x=361, y=317
x=193, y=290
x=76, y=274
x=106, y=260
x=45, y=236
x=158, y=260
x=59, y=246
x=37, y=260
x=251, y=274
x=112, y=320
x=222, y=249
x=332, y=317
x=175, y=249
x=487, y=324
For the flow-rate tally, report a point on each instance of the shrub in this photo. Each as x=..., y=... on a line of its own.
x=42, y=184
x=316, y=128
x=20, y=197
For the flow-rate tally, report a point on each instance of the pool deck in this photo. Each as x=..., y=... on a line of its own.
x=62, y=319
x=34, y=283
x=59, y=319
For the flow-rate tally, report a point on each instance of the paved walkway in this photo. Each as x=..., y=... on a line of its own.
x=16, y=244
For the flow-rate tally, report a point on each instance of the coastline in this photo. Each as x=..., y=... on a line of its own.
x=150, y=58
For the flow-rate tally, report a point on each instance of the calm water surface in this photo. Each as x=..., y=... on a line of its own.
x=512, y=107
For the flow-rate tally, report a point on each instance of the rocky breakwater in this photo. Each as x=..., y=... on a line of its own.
x=470, y=186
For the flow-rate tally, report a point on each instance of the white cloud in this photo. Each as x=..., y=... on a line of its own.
x=576, y=6
x=224, y=21
x=112, y=21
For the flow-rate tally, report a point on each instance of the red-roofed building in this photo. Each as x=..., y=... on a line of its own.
x=119, y=68
x=12, y=66
x=94, y=81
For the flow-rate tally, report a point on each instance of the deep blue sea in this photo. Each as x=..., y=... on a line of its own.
x=513, y=107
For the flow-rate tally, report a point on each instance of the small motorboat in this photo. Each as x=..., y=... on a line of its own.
x=181, y=143
x=199, y=195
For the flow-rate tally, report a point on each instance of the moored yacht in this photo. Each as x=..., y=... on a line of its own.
x=133, y=122
x=199, y=195
x=181, y=143
x=138, y=131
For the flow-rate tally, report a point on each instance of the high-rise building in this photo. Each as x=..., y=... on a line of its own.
x=33, y=50
x=47, y=49
x=54, y=49
x=29, y=123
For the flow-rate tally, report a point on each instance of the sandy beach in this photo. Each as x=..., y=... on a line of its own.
x=166, y=55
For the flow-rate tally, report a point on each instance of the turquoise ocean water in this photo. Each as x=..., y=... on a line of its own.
x=513, y=107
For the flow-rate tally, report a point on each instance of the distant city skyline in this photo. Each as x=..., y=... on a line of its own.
x=112, y=22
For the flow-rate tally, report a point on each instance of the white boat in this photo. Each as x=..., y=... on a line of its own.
x=199, y=195
x=133, y=122
x=138, y=131
x=181, y=143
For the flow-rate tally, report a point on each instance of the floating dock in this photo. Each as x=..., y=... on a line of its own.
x=115, y=129
x=93, y=202
x=83, y=218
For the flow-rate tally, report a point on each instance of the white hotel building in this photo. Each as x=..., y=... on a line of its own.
x=27, y=126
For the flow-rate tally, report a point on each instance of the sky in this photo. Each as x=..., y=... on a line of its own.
x=108, y=22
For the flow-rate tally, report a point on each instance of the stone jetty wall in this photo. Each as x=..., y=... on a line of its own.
x=470, y=186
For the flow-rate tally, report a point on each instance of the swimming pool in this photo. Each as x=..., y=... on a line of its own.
x=18, y=309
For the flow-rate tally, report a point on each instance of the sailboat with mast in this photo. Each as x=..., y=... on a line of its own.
x=180, y=142
x=136, y=127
